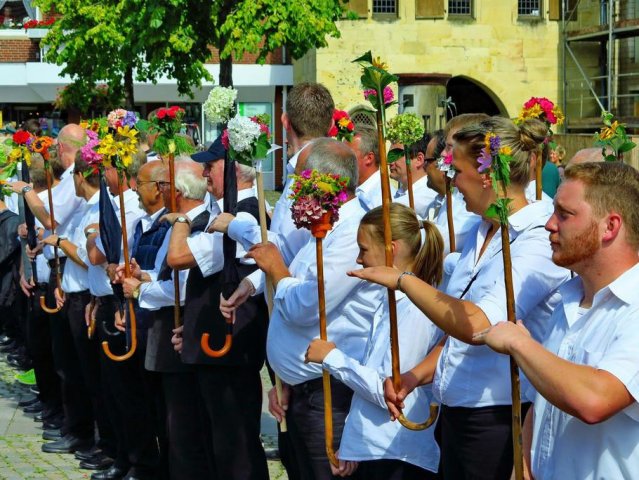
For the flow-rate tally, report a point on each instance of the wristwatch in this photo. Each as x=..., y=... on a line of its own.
x=25, y=189
x=90, y=231
x=57, y=242
x=182, y=219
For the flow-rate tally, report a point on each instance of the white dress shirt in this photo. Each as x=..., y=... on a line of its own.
x=350, y=303
x=531, y=193
x=369, y=193
x=423, y=195
x=147, y=220
x=161, y=293
x=75, y=277
x=369, y=434
x=65, y=206
x=606, y=337
x=283, y=232
x=42, y=267
x=474, y=375
x=464, y=222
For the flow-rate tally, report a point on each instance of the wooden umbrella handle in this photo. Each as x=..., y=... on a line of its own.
x=433, y=414
x=127, y=274
x=228, y=342
x=56, y=262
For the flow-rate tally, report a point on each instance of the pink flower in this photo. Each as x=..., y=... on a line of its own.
x=225, y=139
x=389, y=96
x=448, y=159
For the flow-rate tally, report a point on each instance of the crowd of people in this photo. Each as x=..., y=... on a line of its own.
x=172, y=411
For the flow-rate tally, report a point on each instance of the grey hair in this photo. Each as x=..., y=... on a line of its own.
x=245, y=173
x=188, y=182
x=327, y=155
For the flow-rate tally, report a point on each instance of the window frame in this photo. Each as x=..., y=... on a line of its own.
x=461, y=16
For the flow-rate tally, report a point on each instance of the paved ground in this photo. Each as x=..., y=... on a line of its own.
x=21, y=439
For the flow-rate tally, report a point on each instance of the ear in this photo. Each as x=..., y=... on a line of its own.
x=613, y=225
x=286, y=123
x=418, y=161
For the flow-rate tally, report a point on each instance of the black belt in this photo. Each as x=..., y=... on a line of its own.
x=51, y=262
x=78, y=294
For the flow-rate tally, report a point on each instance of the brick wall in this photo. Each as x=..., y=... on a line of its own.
x=19, y=51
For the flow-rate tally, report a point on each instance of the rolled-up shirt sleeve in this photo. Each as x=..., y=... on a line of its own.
x=155, y=295
x=206, y=249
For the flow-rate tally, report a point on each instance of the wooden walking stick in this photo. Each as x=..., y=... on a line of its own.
x=375, y=77
x=127, y=273
x=494, y=161
x=56, y=258
x=409, y=179
x=539, y=165
x=176, y=274
x=449, y=214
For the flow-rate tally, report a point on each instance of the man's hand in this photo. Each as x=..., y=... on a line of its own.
x=171, y=217
x=346, y=468
x=221, y=223
x=17, y=186
x=502, y=336
x=134, y=269
x=119, y=320
x=26, y=286
x=130, y=285
x=278, y=409
x=22, y=230
x=111, y=271
x=395, y=400
x=269, y=260
x=176, y=339
x=59, y=297
x=384, y=276
x=239, y=296
x=34, y=253
x=51, y=240
x=317, y=350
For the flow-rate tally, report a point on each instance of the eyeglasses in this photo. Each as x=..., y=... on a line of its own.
x=142, y=182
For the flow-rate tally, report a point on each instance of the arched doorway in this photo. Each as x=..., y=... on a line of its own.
x=469, y=96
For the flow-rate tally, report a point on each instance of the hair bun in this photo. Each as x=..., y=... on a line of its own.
x=532, y=133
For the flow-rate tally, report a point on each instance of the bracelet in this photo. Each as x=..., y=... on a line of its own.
x=136, y=292
x=399, y=280
x=90, y=231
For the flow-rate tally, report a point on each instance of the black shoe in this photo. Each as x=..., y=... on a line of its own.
x=53, y=424
x=98, y=462
x=35, y=390
x=88, y=453
x=113, y=473
x=52, y=435
x=30, y=400
x=36, y=407
x=5, y=340
x=10, y=347
x=20, y=362
x=67, y=444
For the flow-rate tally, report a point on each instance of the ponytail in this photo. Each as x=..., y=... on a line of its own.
x=429, y=261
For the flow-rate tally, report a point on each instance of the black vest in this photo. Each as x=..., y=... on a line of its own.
x=202, y=315
x=160, y=355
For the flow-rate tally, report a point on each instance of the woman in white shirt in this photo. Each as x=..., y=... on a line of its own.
x=384, y=449
x=471, y=382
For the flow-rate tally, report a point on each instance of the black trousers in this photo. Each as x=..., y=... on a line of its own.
x=477, y=442
x=232, y=397
x=392, y=470
x=128, y=401
x=306, y=412
x=40, y=350
x=186, y=427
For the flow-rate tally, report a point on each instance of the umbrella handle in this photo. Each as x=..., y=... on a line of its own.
x=228, y=342
x=43, y=305
x=434, y=412
x=134, y=340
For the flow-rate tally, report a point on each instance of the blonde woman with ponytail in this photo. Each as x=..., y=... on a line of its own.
x=471, y=382
x=384, y=449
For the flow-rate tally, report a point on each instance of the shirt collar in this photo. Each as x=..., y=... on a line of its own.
x=527, y=217
x=194, y=212
x=370, y=183
x=349, y=209
x=94, y=199
x=67, y=172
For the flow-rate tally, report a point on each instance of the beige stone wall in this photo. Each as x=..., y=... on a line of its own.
x=512, y=58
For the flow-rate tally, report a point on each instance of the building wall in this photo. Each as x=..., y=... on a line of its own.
x=512, y=58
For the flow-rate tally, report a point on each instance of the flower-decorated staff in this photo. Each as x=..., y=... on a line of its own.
x=612, y=136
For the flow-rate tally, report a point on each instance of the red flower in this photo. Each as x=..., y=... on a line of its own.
x=21, y=137
x=225, y=139
x=161, y=113
x=339, y=114
x=351, y=126
x=333, y=131
x=173, y=111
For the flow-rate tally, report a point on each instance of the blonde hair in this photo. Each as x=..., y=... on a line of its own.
x=523, y=140
x=611, y=186
x=428, y=257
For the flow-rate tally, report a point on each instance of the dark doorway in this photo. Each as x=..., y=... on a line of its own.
x=467, y=96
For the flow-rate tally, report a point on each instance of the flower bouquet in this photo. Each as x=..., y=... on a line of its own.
x=613, y=137
x=220, y=104
x=343, y=128
x=120, y=144
x=445, y=164
x=544, y=110
x=247, y=139
x=167, y=123
x=19, y=144
x=495, y=161
x=407, y=129
x=317, y=196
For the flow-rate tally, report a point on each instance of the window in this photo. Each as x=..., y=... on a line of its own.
x=460, y=7
x=529, y=8
x=363, y=115
x=386, y=7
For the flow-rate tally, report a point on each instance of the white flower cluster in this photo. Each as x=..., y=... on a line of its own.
x=243, y=133
x=219, y=105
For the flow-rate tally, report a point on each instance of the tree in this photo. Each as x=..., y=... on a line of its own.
x=118, y=41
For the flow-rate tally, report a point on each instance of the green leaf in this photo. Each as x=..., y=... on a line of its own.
x=394, y=154
x=492, y=211
x=626, y=147
x=366, y=58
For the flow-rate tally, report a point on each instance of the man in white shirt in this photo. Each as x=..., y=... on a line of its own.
x=585, y=423
x=420, y=152
x=295, y=320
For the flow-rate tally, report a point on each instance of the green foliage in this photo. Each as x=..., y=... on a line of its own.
x=613, y=137
x=261, y=26
x=120, y=41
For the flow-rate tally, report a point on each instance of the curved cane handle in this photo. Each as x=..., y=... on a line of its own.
x=434, y=412
x=228, y=342
x=134, y=340
x=43, y=305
